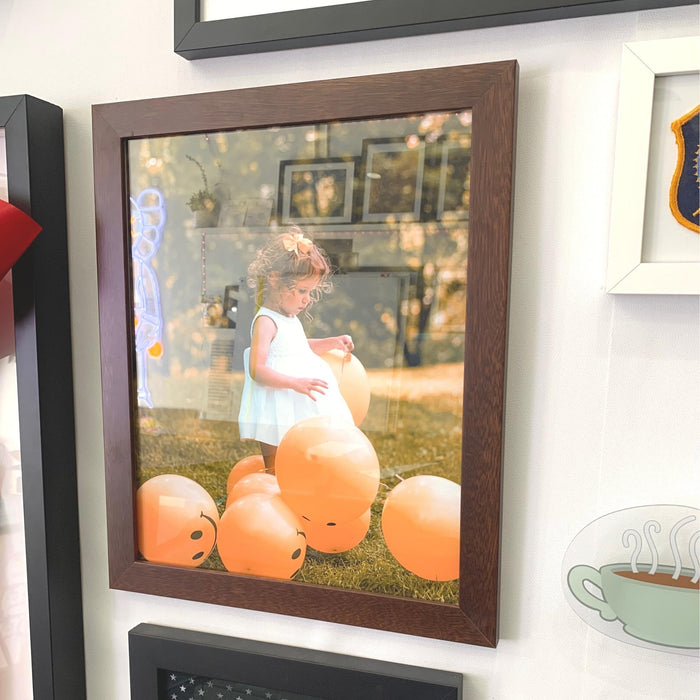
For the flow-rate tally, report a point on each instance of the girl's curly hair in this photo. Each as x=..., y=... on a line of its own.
x=293, y=257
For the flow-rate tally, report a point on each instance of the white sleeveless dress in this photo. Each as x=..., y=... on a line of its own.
x=267, y=413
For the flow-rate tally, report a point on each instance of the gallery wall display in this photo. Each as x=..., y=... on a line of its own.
x=166, y=662
x=634, y=575
x=335, y=533
x=229, y=33
x=33, y=131
x=654, y=234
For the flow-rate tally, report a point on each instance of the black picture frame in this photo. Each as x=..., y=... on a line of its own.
x=36, y=185
x=306, y=175
x=376, y=19
x=155, y=651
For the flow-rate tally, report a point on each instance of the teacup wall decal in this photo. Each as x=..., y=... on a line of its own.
x=634, y=575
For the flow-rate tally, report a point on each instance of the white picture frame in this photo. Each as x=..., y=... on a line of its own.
x=628, y=273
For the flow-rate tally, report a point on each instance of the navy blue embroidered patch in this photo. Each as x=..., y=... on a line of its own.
x=685, y=186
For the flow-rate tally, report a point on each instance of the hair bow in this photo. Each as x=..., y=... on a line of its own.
x=296, y=242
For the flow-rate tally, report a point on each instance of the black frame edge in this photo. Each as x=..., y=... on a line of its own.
x=153, y=647
x=36, y=184
x=194, y=39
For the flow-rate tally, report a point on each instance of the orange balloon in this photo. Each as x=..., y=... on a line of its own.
x=247, y=465
x=259, y=535
x=327, y=470
x=352, y=382
x=176, y=520
x=254, y=483
x=340, y=537
x=420, y=523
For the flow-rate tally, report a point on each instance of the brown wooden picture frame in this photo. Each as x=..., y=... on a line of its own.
x=490, y=92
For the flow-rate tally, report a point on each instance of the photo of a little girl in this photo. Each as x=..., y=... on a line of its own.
x=309, y=373
x=286, y=380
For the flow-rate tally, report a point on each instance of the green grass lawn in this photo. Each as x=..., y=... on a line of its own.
x=422, y=437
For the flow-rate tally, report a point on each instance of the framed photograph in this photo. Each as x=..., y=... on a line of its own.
x=35, y=332
x=316, y=191
x=209, y=28
x=166, y=662
x=392, y=178
x=421, y=394
x=654, y=246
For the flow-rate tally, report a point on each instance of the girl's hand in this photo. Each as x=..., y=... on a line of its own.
x=336, y=342
x=344, y=343
x=307, y=385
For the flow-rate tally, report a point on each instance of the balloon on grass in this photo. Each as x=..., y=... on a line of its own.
x=327, y=470
x=253, y=483
x=352, y=382
x=176, y=520
x=420, y=524
x=248, y=465
x=260, y=535
x=337, y=538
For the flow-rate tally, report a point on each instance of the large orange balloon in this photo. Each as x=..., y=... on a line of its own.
x=352, y=382
x=340, y=537
x=247, y=465
x=259, y=535
x=420, y=523
x=327, y=470
x=176, y=520
x=254, y=483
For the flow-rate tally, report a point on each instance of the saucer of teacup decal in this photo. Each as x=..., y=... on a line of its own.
x=634, y=575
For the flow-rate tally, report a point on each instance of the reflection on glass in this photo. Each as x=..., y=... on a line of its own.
x=387, y=201
x=15, y=658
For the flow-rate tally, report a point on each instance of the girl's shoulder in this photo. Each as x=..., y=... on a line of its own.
x=270, y=313
x=275, y=316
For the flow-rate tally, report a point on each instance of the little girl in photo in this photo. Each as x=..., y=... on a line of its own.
x=285, y=379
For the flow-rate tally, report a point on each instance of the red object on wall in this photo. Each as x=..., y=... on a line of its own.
x=17, y=231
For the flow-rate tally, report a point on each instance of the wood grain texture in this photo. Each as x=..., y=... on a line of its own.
x=490, y=91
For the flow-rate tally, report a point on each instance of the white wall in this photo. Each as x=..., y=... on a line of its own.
x=603, y=392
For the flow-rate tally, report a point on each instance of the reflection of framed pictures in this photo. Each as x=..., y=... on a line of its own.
x=453, y=187
x=33, y=137
x=392, y=179
x=392, y=290
x=258, y=211
x=231, y=296
x=251, y=211
x=650, y=251
x=432, y=377
x=316, y=191
x=163, y=660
